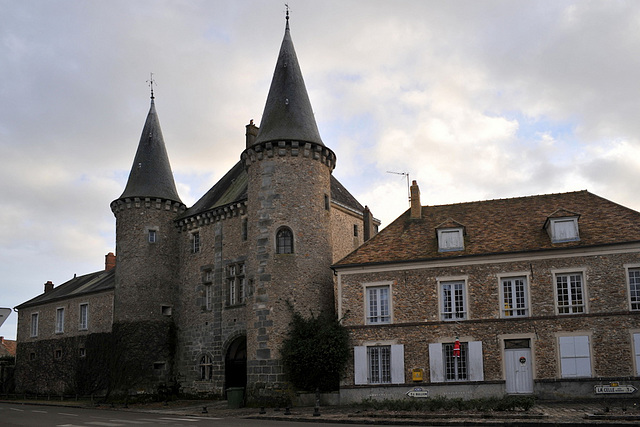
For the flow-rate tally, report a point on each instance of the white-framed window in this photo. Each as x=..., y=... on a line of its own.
x=284, y=241
x=151, y=235
x=84, y=316
x=575, y=356
x=59, y=320
x=514, y=297
x=34, y=324
x=379, y=364
x=450, y=239
x=206, y=368
x=378, y=304
x=195, y=242
x=563, y=229
x=236, y=284
x=445, y=366
x=453, y=304
x=633, y=276
x=570, y=293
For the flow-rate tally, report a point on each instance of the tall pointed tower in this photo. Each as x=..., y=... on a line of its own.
x=289, y=189
x=146, y=267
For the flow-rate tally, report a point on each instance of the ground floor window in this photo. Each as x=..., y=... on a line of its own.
x=379, y=364
x=206, y=368
x=446, y=365
x=575, y=356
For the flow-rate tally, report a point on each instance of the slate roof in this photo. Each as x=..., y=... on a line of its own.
x=287, y=113
x=100, y=281
x=501, y=226
x=151, y=174
x=232, y=188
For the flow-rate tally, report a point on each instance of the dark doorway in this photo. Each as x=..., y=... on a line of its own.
x=235, y=372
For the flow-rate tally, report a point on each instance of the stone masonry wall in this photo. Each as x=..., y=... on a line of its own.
x=416, y=323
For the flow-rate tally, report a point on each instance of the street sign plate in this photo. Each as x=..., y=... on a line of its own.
x=618, y=389
x=418, y=392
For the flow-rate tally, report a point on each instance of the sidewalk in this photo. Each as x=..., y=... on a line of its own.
x=543, y=414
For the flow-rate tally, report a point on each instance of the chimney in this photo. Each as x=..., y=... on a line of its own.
x=416, y=207
x=252, y=132
x=48, y=287
x=368, y=226
x=109, y=261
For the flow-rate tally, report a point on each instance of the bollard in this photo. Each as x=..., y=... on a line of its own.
x=204, y=410
x=287, y=411
x=262, y=410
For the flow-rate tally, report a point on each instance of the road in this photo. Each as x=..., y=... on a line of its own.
x=13, y=414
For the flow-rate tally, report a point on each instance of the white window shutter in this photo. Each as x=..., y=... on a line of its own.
x=397, y=364
x=436, y=365
x=360, y=365
x=476, y=371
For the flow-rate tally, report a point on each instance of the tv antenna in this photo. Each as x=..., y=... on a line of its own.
x=408, y=186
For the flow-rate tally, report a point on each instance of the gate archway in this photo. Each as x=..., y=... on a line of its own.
x=235, y=366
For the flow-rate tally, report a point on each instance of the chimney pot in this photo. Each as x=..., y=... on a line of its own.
x=109, y=261
x=48, y=287
x=252, y=132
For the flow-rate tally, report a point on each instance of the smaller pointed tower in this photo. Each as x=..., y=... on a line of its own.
x=146, y=271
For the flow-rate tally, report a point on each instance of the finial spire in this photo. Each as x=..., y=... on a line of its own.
x=286, y=5
x=151, y=82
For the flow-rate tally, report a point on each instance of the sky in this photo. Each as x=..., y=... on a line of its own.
x=474, y=100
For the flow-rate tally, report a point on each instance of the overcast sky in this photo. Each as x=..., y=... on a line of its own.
x=473, y=99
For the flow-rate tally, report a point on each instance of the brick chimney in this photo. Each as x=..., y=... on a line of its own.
x=252, y=132
x=416, y=207
x=48, y=287
x=109, y=261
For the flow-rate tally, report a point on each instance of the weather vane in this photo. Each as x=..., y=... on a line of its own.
x=151, y=83
x=286, y=5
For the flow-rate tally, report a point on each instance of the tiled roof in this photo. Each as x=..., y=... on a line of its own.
x=499, y=226
x=99, y=281
x=7, y=347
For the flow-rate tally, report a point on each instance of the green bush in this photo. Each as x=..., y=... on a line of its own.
x=442, y=403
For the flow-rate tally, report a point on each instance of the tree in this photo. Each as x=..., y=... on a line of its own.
x=315, y=352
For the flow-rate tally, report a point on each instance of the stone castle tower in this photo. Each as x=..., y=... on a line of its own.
x=147, y=264
x=289, y=219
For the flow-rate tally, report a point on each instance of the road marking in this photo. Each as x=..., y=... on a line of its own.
x=193, y=420
x=68, y=415
x=101, y=423
x=131, y=421
x=39, y=412
x=68, y=425
x=16, y=409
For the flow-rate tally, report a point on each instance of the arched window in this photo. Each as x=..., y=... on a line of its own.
x=284, y=241
x=206, y=368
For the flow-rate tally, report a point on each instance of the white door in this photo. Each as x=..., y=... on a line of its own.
x=519, y=372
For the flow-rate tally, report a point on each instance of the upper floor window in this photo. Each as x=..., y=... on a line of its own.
x=450, y=239
x=378, y=305
x=514, y=297
x=284, y=241
x=563, y=229
x=59, y=320
x=575, y=356
x=453, y=300
x=195, y=242
x=570, y=293
x=84, y=317
x=34, y=324
x=634, y=287
x=236, y=284
x=152, y=236
x=245, y=229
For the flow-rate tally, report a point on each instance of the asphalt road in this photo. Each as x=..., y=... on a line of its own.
x=12, y=414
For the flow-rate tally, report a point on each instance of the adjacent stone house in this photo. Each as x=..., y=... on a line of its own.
x=200, y=298
x=530, y=295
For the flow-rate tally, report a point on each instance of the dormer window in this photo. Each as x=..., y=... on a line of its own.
x=450, y=239
x=563, y=229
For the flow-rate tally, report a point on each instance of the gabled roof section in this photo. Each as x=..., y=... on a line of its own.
x=231, y=188
x=449, y=223
x=342, y=196
x=100, y=281
x=499, y=227
x=287, y=113
x=151, y=174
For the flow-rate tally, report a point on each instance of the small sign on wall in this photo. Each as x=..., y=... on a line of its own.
x=418, y=392
x=614, y=388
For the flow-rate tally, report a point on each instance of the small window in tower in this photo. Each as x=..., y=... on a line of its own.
x=166, y=310
x=82, y=352
x=355, y=230
x=245, y=229
x=327, y=203
x=195, y=242
x=284, y=241
x=152, y=236
x=58, y=353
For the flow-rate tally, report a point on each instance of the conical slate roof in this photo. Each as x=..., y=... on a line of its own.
x=287, y=114
x=151, y=174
